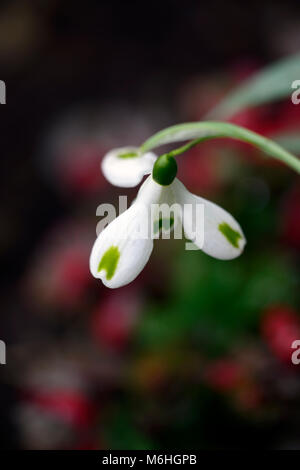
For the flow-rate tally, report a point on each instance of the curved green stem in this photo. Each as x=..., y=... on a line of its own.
x=200, y=131
x=186, y=147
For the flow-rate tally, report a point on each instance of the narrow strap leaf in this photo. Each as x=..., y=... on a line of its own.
x=272, y=83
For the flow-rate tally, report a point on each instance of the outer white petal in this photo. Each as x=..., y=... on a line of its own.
x=223, y=236
x=127, y=172
x=134, y=251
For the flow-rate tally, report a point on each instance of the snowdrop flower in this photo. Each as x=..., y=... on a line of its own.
x=123, y=248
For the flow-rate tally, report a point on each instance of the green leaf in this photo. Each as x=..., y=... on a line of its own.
x=270, y=84
x=200, y=131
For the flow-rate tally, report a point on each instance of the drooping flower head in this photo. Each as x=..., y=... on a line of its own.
x=123, y=248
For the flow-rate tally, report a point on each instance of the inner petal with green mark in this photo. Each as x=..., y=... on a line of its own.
x=128, y=155
x=232, y=235
x=166, y=224
x=109, y=261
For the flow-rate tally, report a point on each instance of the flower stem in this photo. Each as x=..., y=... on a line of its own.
x=205, y=130
x=186, y=147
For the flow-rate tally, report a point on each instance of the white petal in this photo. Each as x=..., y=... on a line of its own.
x=122, y=253
x=223, y=236
x=126, y=166
x=166, y=214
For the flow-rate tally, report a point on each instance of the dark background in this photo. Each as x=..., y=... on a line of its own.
x=153, y=61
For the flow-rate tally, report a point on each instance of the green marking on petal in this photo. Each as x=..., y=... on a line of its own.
x=166, y=224
x=128, y=155
x=109, y=261
x=232, y=235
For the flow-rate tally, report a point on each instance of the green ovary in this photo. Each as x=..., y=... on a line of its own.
x=109, y=261
x=232, y=235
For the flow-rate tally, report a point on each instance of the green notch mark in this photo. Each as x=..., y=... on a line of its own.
x=109, y=261
x=166, y=224
x=232, y=235
x=128, y=155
